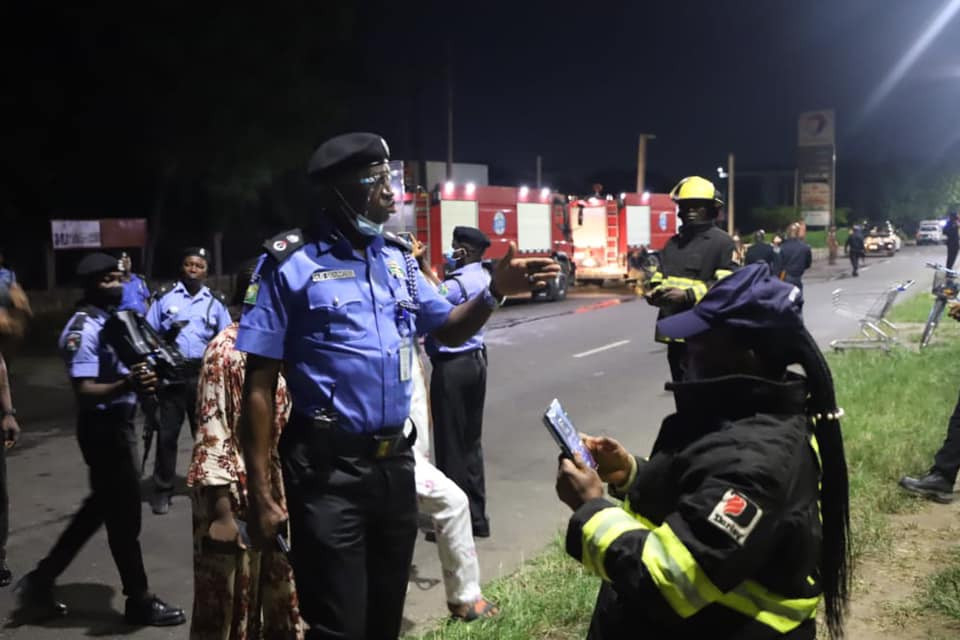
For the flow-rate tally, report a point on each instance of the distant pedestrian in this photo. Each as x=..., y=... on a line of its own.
x=854, y=248
x=952, y=232
x=833, y=247
x=795, y=256
x=761, y=251
x=738, y=249
x=136, y=294
x=11, y=431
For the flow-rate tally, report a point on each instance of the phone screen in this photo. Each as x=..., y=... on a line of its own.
x=565, y=434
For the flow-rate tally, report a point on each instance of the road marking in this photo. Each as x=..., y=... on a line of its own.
x=612, y=345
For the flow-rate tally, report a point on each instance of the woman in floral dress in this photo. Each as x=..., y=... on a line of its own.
x=239, y=593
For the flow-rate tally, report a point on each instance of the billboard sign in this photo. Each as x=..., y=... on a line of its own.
x=816, y=166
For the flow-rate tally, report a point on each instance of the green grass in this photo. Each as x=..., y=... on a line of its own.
x=818, y=238
x=941, y=591
x=896, y=407
x=549, y=597
x=915, y=308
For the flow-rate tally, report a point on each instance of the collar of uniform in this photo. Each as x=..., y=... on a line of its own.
x=182, y=288
x=332, y=241
x=473, y=266
x=93, y=310
x=739, y=396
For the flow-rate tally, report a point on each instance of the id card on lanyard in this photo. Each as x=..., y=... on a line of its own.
x=406, y=360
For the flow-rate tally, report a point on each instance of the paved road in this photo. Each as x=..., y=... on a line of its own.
x=594, y=351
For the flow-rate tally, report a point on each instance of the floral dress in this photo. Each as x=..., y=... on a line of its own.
x=238, y=594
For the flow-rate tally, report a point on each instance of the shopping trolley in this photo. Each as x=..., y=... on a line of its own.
x=870, y=309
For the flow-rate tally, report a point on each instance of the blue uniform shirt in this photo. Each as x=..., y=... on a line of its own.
x=135, y=295
x=344, y=323
x=7, y=277
x=86, y=356
x=473, y=280
x=204, y=314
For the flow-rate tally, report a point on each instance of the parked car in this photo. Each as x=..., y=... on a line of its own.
x=930, y=232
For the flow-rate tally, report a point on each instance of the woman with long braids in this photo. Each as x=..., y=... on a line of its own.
x=737, y=525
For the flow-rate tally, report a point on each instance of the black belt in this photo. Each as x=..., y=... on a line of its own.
x=444, y=356
x=388, y=442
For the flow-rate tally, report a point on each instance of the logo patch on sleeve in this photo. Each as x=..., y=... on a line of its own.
x=736, y=515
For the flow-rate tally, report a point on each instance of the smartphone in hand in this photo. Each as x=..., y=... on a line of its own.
x=560, y=426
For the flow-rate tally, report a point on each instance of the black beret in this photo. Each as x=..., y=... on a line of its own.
x=472, y=236
x=97, y=263
x=347, y=151
x=200, y=252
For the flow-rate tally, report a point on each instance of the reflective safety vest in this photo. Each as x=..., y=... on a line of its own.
x=722, y=532
x=693, y=260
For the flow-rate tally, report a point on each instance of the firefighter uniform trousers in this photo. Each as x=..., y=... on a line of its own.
x=458, y=388
x=446, y=504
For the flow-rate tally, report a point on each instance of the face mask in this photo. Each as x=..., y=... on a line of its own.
x=449, y=261
x=368, y=228
x=110, y=296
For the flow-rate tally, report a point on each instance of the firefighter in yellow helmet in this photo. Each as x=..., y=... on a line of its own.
x=697, y=256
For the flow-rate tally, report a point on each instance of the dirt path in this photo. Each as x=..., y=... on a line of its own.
x=885, y=603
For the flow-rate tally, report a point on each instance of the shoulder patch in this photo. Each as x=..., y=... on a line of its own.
x=220, y=295
x=397, y=241
x=736, y=515
x=164, y=289
x=72, y=341
x=282, y=245
x=79, y=319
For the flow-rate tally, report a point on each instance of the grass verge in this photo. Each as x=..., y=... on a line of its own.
x=896, y=407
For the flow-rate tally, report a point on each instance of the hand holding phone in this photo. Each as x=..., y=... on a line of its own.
x=560, y=426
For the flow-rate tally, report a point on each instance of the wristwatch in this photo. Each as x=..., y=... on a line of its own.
x=492, y=298
x=8, y=412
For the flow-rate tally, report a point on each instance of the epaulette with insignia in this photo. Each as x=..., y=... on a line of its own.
x=397, y=241
x=220, y=295
x=282, y=245
x=164, y=289
x=79, y=319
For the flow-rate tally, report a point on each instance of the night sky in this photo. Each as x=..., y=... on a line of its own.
x=577, y=81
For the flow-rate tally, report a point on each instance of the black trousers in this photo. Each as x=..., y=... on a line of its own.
x=947, y=460
x=4, y=503
x=855, y=261
x=175, y=403
x=353, y=525
x=458, y=387
x=952, y=250
x=108, y=444
x=676, y=354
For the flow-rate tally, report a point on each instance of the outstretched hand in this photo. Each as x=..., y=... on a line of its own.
x=514, y=275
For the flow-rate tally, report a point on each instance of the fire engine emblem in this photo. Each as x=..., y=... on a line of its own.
x=499, y=223
x=736, y=515
x=662, y=222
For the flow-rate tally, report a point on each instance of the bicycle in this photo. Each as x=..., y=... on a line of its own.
x=945, y=288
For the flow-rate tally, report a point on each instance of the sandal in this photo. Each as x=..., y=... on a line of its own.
x=481, y=608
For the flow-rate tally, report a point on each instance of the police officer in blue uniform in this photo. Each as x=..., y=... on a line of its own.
x=458, y=383
x=191, y=314
x=340, y=314
x=7, y=277
x=105, y=394
x=136, y=293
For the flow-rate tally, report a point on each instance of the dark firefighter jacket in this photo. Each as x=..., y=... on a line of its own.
x=693, y=260
x=795, y=258
x=719, y=534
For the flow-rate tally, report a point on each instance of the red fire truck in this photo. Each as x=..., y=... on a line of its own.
x=592, y=239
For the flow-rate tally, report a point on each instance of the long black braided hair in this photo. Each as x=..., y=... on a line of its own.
x=777, y=349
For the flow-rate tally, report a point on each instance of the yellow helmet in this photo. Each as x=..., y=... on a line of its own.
x=696, y=188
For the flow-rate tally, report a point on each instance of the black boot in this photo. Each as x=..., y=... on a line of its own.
x=35, y=594
x=151, y=611
x=5, y=574
x=934, y=485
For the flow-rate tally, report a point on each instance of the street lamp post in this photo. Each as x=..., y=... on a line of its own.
x=642, y=159
x=727, y=174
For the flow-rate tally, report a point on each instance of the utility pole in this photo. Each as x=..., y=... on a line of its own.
x=730, y=167
x=642, y=159
x=449, y=74
x=539, y=172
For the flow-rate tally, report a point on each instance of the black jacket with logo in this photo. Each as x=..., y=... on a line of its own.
x=719, y=535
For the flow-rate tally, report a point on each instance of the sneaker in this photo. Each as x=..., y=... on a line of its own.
x=151, y=611
x=36, y=595
x=934, y=485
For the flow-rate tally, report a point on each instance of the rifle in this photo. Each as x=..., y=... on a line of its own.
x=137, y=343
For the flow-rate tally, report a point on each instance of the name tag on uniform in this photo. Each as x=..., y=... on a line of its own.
x=340, y=274
x=406, y=362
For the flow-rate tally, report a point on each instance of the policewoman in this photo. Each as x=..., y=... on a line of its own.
x=190, y=314
x=340, y=314
x=458, y=382
x=136, y=293
x=105, y=394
